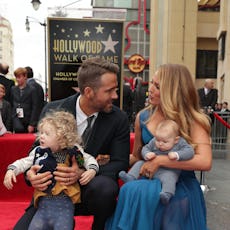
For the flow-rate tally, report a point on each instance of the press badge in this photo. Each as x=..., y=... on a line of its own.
x=20, y=113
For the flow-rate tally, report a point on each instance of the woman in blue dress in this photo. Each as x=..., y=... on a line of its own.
x=172, y=95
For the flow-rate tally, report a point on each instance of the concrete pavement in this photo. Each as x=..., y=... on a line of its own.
x=217, y=194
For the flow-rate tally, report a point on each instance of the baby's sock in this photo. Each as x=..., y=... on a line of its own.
x=125, y=177
x=165, y=197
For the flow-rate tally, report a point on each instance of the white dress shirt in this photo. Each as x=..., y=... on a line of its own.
x=82, y=118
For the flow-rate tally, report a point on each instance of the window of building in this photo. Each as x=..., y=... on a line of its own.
x=221, y=46
x=211, y=6
x=123, y=4
x=206, y=64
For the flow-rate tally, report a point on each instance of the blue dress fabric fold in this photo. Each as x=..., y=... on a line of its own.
x=139, y=206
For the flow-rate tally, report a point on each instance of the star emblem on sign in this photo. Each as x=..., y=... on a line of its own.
x=99, y=29
x=109, y=44
x=86, y=33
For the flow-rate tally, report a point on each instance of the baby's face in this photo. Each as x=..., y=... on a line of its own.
x=165, y=141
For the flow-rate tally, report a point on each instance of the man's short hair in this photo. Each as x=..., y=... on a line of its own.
x=91, y=70
x=4, y=68
x=30, y=73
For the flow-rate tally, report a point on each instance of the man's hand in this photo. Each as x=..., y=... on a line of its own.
x=68, y=175
x=30, y=129
x=103, y=159
x=39, y=181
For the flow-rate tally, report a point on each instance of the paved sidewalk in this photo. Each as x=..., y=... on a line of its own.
x=217, y=195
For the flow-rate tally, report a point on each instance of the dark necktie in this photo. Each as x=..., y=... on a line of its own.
x=88, y=130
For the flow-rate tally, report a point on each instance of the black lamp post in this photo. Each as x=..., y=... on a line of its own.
x=31, y=19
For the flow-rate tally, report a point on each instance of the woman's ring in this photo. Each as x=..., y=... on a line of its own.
x=147, y=174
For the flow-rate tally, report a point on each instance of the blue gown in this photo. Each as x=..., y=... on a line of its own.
x=139, y=207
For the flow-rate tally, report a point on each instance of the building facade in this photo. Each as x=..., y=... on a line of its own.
x=136, y=35
x=6, y=43
x=223, y=73
x=189, y=32
x=182, y=33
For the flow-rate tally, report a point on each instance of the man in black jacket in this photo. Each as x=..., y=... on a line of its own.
x=108, y=142
x=128, y=100
x=24, y=101
x=4, y=69
x=38, y=88
x=208, y=94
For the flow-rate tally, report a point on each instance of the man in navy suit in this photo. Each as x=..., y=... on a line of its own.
x=208, y=94
x=108, y=142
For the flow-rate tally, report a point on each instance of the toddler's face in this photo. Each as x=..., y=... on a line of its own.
x=48, y=137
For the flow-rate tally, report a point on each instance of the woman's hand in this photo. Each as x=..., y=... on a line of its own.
x=68, y=175
x=150, y=167
x=132, y=160
x=39, y=181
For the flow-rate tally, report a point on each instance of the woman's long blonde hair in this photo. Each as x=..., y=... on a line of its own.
x=179, y=98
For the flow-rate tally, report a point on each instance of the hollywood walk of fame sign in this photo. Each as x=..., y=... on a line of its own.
x=71, y=41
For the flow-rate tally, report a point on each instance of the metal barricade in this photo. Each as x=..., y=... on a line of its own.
x=220, y=134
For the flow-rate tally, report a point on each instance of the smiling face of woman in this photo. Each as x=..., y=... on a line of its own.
x=154, y=90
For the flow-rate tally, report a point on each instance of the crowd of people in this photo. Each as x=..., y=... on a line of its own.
x=137, y=204
x=222, y=107
x=208, y=96
x=20, y=103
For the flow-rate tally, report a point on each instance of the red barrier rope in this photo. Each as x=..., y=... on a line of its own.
x=219, y=118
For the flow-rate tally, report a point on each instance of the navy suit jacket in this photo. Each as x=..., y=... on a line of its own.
x=110, y=135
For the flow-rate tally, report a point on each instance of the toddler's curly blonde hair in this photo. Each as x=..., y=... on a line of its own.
x=65, y=126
